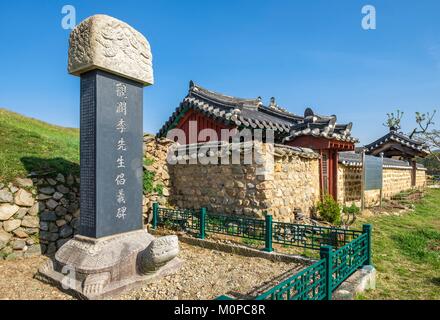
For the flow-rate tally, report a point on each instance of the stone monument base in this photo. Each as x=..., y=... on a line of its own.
x=99, y=268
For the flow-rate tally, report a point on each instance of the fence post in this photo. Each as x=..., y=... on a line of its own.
x=155, y=215
x=202, y=219
x=268, y=232
x=367, y=228
x=326, y=253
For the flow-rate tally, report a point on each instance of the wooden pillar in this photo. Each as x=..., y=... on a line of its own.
x=413, y=173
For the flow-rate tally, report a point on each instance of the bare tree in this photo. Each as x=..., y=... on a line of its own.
x=423, y=131
x=424, y=121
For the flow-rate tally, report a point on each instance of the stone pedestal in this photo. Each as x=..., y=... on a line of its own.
x=98, y=268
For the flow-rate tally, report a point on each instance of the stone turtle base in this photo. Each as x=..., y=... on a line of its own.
x=99, y=268
x=117, y=288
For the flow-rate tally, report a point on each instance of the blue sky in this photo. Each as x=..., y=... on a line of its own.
x=305, y=53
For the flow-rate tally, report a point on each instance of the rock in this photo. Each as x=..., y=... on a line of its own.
x=43, y=196
x=30, y=241
x=60, y=211
x=51, y=204
x=11, y=225
x=13, y=188
x=2, y=245
x=51, y=249
x=33, y=250
x=20, y=233
x=132, y=60
x=19, y=244
x=72, y=207
x=47, y=190
x=75, y=223
x=35, y=209
x=31, y=231
x=60, y=222
x=24, y=182
x=4, y=236
x=51, y=181
x=48, y=216
x=70, y=180
x=53, y=227
x=57, y=195
x=60, y=178
x=7, y=211
x=21, y=213
x=49, y=236
x=44, y=226
x=61, y=188
x=24, y=198
x=6, y=196
x=76, y=214
x=30, y=222
x=66, y=231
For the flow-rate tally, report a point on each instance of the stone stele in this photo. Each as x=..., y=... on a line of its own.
x=103, y=42
x=95, y=268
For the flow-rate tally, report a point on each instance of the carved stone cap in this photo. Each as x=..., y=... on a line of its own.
x=103, y=42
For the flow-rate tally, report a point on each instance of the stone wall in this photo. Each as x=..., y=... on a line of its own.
x=155, y=155
x=241, y=189
x=38, y=215
x=395, y=180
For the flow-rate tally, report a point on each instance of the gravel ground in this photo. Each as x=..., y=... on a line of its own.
x=205, y=274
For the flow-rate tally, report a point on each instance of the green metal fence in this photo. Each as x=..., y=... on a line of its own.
x=289, y=234
x=318, y=281
x=311, y=237
x=342, y=251
x=309, y=284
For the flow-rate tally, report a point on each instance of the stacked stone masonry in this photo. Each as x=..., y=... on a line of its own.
x=395, y=180
x=155, y=155
x=240, y=189
x=38, y=215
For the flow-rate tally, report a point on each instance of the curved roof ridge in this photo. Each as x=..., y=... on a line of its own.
x=220, y=98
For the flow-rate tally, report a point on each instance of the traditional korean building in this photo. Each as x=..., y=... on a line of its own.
x=397, y=145
x=216, y=111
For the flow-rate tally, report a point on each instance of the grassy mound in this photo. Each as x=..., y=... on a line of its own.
x=29, y=145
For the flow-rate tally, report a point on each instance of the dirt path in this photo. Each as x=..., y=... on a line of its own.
x=206, y=274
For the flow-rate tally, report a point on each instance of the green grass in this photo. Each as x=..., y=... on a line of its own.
x=406, y=252
x=29, y=145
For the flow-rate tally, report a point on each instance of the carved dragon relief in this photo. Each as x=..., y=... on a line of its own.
x=106, y=43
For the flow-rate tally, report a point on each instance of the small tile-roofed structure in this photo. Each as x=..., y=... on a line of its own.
x=229, y=112
x=397, y=145
x=352, y=159
x=321, y=126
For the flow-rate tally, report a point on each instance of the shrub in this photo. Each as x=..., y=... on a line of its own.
x=353, y=209
x=148, y=184
x=329, y=210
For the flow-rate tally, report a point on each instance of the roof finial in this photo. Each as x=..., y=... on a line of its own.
x=191, y=84
x=273, y=103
